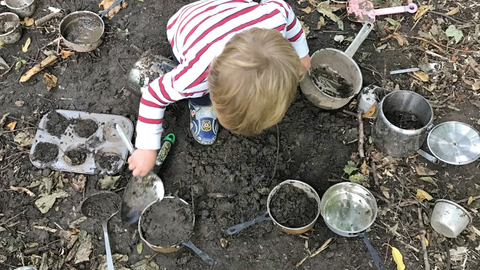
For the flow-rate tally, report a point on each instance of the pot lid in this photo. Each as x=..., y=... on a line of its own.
x=454, y=143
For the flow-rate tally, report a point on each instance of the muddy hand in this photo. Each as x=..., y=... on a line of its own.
x=142, y=161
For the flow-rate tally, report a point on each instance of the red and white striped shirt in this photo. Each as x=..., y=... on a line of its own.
x=198, y=32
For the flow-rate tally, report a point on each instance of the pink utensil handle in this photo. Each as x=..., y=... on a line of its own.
x=410, y=8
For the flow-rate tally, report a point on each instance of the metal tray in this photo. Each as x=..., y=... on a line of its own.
x=104, y=141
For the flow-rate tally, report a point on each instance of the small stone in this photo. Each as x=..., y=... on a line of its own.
x=46, y=172
x=205, y=214
x=19, y=103
x=330, y=254
x=209, y=169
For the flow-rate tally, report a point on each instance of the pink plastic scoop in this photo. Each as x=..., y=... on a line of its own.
x=363, y=11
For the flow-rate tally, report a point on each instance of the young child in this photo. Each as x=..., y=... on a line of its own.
x=248, y=58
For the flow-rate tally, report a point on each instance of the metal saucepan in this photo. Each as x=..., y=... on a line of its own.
x=82, y=31
x=102, y=206
x=310, y=192
x=349, y=209
x=146, y=69
x=341, y=63
x=175, y=246
x=141, y=191
x=452, y=142
x=23, y=8
x=10, y=28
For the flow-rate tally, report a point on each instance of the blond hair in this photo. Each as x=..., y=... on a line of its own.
x=253, y=81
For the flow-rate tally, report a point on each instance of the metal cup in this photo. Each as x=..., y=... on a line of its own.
x=10, y=28
x=449, y=219
x=73, y=22
x=23, y=8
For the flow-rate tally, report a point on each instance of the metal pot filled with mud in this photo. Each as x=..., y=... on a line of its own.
x=146, y=69
x=167, y=225
x=10, y=28
x=405, y=121
x=334, y=77
x=292, y=205
x=82, y=31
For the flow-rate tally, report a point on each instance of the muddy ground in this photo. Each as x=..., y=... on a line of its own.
x=229, y=182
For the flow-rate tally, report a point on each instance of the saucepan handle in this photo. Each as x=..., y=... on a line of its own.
x=110, y=7
x=237, y=228
x=410, y=8
x=204, y=256
x=373, y=252
x=427, y=156
x=361, y=36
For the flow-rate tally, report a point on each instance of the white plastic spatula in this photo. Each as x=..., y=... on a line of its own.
x=140, y=191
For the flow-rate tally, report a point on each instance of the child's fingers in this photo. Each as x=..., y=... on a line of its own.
x=131, y=166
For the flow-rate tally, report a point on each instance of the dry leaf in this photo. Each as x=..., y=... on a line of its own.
x=423, y=195
x=401, y=40
x=421, y=11
x=453, y=11
x=28, y=21
x=65, y=54
x=26, y=45
x=78, y=183
x=371, y=111
x=398, y=258
x=107, y=3
x=50, y=81
x=364, y=168
x=470, y=200
x=476, y=86
x=12, y=125
x=312, y=2
x=223, y=242
x=307, y=10
x=424, y=171
x=425, y=239
x=1, y=44
x=422, y=76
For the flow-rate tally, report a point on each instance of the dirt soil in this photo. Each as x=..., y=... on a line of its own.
x=101, y=206
x=405, y=120
x=228, y=182
x=291, y=207
x=338, y=86
x=107, y=161
x=45, y=152
x=85, y=127
x=57, y=124
x=167, y=223
x=77, y=156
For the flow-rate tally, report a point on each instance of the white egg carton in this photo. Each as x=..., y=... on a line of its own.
x=105, y=140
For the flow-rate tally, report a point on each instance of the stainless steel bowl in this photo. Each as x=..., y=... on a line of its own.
x=23, y=8
x=348, y=209
x=449, y=218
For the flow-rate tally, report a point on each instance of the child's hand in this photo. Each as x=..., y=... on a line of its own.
x=142, y=161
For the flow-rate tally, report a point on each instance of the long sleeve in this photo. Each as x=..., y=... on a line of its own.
x=294, y=31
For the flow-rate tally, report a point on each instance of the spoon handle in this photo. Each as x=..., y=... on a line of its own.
x=107, y=246
x=125, y=140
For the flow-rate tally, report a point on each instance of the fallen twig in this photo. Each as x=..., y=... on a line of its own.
x=22, y=189
x=361, y=139
x=320, y=249
x=46, y=18
x=446, y=16
x=466, y=199
x=422, y=240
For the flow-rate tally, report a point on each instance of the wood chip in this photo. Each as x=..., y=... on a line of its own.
x=48, y=61
x=22, y=189
x=44, y=228
x=453, y=11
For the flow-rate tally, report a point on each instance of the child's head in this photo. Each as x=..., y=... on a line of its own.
x=253, y=81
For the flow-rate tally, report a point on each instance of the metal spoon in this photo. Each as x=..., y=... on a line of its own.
x=140, y=191
x=93, y=206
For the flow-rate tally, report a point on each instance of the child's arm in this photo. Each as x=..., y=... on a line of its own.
x=295, y=33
